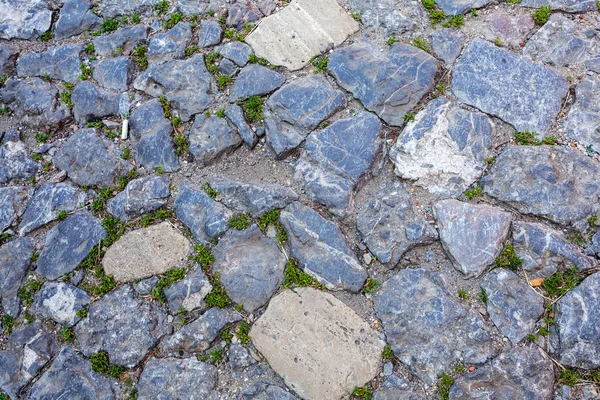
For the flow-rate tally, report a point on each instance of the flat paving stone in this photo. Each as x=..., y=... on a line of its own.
x=15, y=259
x=210, y=138
x=255, y=80
x=127, y=38
x=75, y=17
x=455, y=7
x=61, y=302
x=140, y=196
x=583, y=121
x=563, y=5
x=15, y=162
x=24, y=19
x=12, y=205
x=61, y=62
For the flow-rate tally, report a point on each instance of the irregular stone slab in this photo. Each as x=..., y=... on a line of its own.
x=191, y=7
x=127, y=38
x=390, y=226
x=35, y=102
x=298, y=108
x=8, y=58
x=90, y=103
x=593, y=64
x=512, y=304
x=227, y=67
x=199, y=334
x=237, y=52
x=15, y=162
x=12, y=205
x=267, y=7
x=321, y=250
x=239, y=357
x=250, y=266
x=318, y=345
x=47, y=202
x=446, y=44
x=114, y=73
x=255, y=80
x=15, y=258
x=61, y=62
x=70, y=374
x=24, y=19
x=255, y=199
x=75, y=17
x=428, y=329
x=335, y=159
x=390, y=82
x=239, y=14
x=307, y=28
x=472, y=234
x=60, y=301
x=145, y=286
x=188, y=293
x=391, y=15
x=90, y=160
x=236, y=116
x=444, y=148
x=558, y=183
x=170, y=378
x=145, y=252
x=204, y=217
x=575, y=338
x=210, y=138
x=521, y=92
x=519, y=373
x=544, y=251
x=122, y=325
x=583, y=120
x=210, y=33
x=455, y=7
x=114, y=8
x=68, y=244
x=141, y=196
x=563, y=5
x=169, y=45
x=512, y=29
x=184, y=83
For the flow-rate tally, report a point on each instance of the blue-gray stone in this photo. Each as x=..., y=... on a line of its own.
x=12, y=205
x=210, y=138
x=68, y=243
x=320, y=248
x=24, y=19
x=47, y=202
x=446, y=44
x=237, y=52
x=114, y=8
x=15, y=162
x=8, y=58
x=521, y=92
x=204, y=217
x=191, y=7
x=114, y=73
x=255, y=80
x=455, y=7
x=391, y=15
x=297, y=108
x=593, y=64
x=554, y=182
x=227, y=67
x=145, y=286
x=171, y=378
x=390, y=83
x=396, y=394
x=90, y=160
x=210, y=33
x=596, y=242
x=236, y=116
x=126, y=38
x=583, y=120
x=10, y=378
x=15, y=258
x=61, y=62
x=239, y=357
x=75, y=17
x=188, y=293
x=240, y=14
x=60, y=301
x=334, y=159
x=141, y=196
x=91, y=103
x=573, y=6
x=169, y=45
x=428, y=329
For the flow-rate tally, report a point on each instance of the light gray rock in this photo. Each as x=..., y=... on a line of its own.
x=188, y=293
x=61, y=62
x=237, y=52
x=126, y=38
x=15, y=258
x=8, y=58
x=169, y=45
x=236, y=116
x=141, y=196
x=24, y=19
x=12, y=205
x=391, y=15
x=455, y=7
x=114, y=73
x=583, y=120
x=91, y=103
x=210, y=33
x=60, y=301
x=75, y=17
x=210, y=138
x=563, y=5
x=255, y=80
x=267, y=7
x=239, y=357
x=114, y=8
x=145, y=286
x=15, y=162
x=593, y=64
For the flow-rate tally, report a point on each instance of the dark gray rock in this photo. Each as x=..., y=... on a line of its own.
x=521, y=92
x=563, y=5
x=544, y=251
x=24, y=19
x=126, y=38
x=239, y=357
x=444, y=149
x=191, y=7
x=255, y=199
x=204, y=217
x=60, y=301
x=71, y=376
x=391, y=15
x=240, y=14
x=455, y=7
x=583, y=120
x=90, y=159
x=122, y=325
x=169, y=45
x=558, y=183
x=184, y=83
x=250, y=266
x=512, y=304
x=34, y=102
x=199, y=334
x=227, y=67
x=114, y=73
x=189, y=293
x=12, y=205
x=335, y=159
x=255, y=80
x=596, y=242
x=210, y=138
x=391, y=226
x=75, y=17
x=61, y=62
x=593, y=64
x=114, y=8
x=145, y=286
x=68, y=243
x=298, y=108
x=446, y=44
x=15, y=258
x=396, y=394
x=237, y=52
x=141, y=196
x=15, y=162
x=171, y=378
x=210, y=33
x=428, y=329
x=90, y=103
x=472, y=234
x=519, y=373
x=8, y=58
x=389, y=83
x=321, y=250
x=10, y=378
x=236, y=116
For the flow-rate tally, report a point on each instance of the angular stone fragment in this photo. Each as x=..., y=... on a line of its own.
x=122, y=325
x=512, y=29
x=141, y=196
x=169, y=45
x=114, y=73
x=521, y=92
x=307, y=28
x=170, y=378
x=8, y=58
x=335, y=159
x=472, y=235
x=12, y=205
x=237, y=52
x=391, y=15
x=127, y=38
x=583, y=120
x=255, y=80
x=444, y=148
x=114, y=8
x=390, y=82
x=554, y=182
x=318, y=345
x=61, y=62
x=15, y=162
x=455, y=7
x=15, y=258
x=563, y=5
x=321, y=250
x=61, y=302
x=68, y=243
x=145, y=252
x=428, y=329
x=446, y=44
x=241, y=13
x=210, y=138
x=236, y=116
x=298, y=108
x=188, y=293
x=24, y=19
x=75, y=17
x=90, y=103
x=267, y=7
x=210, y=33
x=519, y=373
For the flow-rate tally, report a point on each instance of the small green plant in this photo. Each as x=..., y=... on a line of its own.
x=408, y=117
x=540, y=17
x=388, y=353
x=592, y=221
x=65, y=97
x=161, y=7
x=166, y=105
x=362, y=392
x=190, y=50
x=513, y=1
x=220, y=113
x=159, y=170
x=498, y=41
x=474, y=13
x=28, y=290
x=508, y=258
x=463, y=294
x=240, y=221
x=135, y=18
x=530, y=139
x=100, y=363
x=271, y=218
x=561, y=282
x=532, y=337
x=5, y=237
x=8, y=323
x=455, y=21
x=46, y=36
x=181, y=144
x=28, y=317
x=42, y=137
x=436, y=16
x=420, y=43
x=66, y=334
x=569, y=377
x=139, y=57
x=86, y=72
x=37, y=157
x=126, y=153
x=428, y=4
x=482, y=296
x=216, y=356
x=391, y=40
x=61, y=215
x=223, y=81
x=477, y=191
x=168, y=278
x=295, y=277
x=229, y=33
x=109, y=25
x=320, y=64
x=210, y=12
x=212, y=193
x=490, y=161
x=445, y=382
x=226, y=335
x=89, y=48
x=217, y=297
x=82, y=313
x=243, y=333
x=459, y=368
x=253, y=108
x=173, y=20
x=203, y=256
x=370, y=286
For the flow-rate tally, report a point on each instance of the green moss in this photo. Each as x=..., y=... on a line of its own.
x=295, y=277
x=445, y=382
x=46, y=36
x=82, y=313
x=243, y=333
x=140, y=58
x=27, y=291
x=217, y=297
x=271, y=218
x=362, y=392
x=370, y=286
x=173, y=20
x=541, y=15
x=190, y=50
x=320, y=64
x=8, y=323
x=253, y=108
x=428, y=4
x=203, y=256
x=126, y=153
x=223, y=81
x=168, y=278
x=568, y=377
x=420, y=43
x=463, y=294
x=508, y=258
x=156, y=216
x=388, y=353
x=135, y=18
x=240, y=221
x=436, y=16
x=561, y=282
x=455, y=21
x=477, y=191
x=212, y=193
x=100, y=363
x=66, y=334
